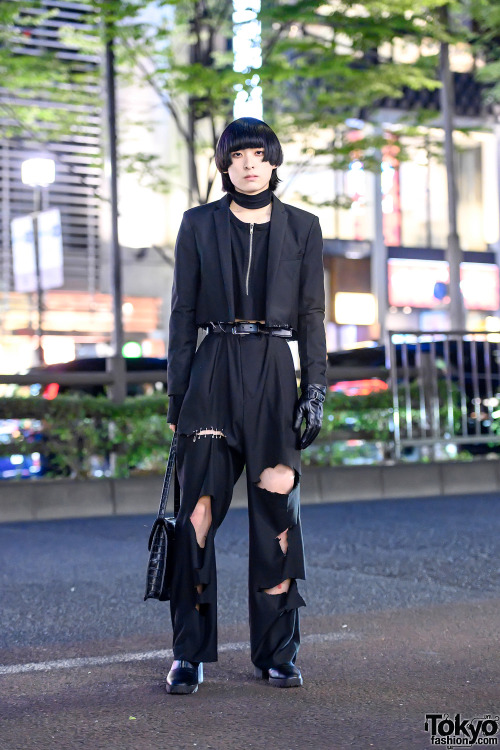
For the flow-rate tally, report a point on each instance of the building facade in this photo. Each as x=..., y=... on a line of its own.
x=413, y=212
x=414, y=219
x=77, y=319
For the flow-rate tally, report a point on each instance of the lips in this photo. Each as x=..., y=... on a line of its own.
x=251, y=177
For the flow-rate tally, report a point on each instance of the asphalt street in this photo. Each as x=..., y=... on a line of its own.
x=402, y=620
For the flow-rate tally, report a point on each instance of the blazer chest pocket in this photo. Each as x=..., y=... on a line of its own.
x=291, y=249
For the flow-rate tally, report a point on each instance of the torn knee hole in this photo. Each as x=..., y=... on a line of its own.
x=207, y=431
x=280, y=479
x=283, y=540
x=201, y=518
x=281, y=588
x=200, y=587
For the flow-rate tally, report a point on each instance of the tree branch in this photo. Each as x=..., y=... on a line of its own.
x=272, y=41
x=165, y=100
x=226, y=6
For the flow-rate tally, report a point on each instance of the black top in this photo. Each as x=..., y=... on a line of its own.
x=249, y=250
x=203, y=288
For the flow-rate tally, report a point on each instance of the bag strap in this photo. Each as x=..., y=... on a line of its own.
x=171, y=467
x=177, y=491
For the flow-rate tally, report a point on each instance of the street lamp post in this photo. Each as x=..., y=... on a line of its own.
x=38, y=172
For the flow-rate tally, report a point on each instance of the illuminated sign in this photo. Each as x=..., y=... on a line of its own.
x=423, y=283
x=355, y=308
x=356, y=189
x=131, y=350
x=50, y=251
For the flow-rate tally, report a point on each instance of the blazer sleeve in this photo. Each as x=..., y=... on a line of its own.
x=183, y=331
x=311, y=318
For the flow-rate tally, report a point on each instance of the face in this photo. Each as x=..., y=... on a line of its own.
x=248, y=171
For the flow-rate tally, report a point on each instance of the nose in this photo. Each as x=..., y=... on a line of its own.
x=249, y=161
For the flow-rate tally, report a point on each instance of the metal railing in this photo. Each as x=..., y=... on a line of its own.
x=84, y=378
x=445, y=387
x=116, y=379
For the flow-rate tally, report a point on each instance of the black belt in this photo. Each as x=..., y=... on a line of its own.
x=242, y=328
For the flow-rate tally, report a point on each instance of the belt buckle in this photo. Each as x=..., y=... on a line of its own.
x=242, y=325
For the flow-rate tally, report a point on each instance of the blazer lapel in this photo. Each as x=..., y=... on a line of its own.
x=223, y=233
x=279, y=220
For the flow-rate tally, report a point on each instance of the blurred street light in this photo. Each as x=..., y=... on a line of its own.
x=38, y=172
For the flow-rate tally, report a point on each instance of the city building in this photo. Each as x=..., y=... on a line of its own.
x=77, y=318
x=414, y=217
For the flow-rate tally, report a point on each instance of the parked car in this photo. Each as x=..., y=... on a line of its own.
x=357, y=372
x=470, y=367
x=98, y=364
x=473, y=360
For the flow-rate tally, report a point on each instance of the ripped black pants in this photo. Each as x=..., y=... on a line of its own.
x=243, y=387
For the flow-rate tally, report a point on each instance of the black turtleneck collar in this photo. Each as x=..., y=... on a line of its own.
x=259, y=200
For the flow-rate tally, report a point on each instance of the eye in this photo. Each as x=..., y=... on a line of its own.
x=236, y=154
x=259, y=152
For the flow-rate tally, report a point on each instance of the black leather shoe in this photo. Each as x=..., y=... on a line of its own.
x=284, y=676
x=184, y=677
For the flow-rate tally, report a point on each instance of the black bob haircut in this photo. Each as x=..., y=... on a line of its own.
x=247, y=132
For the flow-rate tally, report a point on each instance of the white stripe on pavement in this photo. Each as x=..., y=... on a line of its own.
x=167, y=653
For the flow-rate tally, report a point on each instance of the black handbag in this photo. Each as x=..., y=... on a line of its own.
x=162, y=538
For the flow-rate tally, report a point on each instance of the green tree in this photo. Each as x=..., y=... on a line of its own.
x=322, y=63
x=341, y=56
x=484, y=38
x=43, y=94
x=319, y=64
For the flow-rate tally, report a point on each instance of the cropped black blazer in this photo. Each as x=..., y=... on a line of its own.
x=203, y=285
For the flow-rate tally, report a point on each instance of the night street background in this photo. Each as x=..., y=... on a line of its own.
x=402, y=619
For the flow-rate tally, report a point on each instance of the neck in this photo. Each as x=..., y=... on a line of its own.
x=257, y=200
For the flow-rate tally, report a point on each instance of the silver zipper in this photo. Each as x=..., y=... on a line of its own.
x=250, y=255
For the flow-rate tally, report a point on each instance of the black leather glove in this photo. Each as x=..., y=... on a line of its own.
x=310, y=408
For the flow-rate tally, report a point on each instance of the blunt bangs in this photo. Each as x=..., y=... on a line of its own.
x=247, y=132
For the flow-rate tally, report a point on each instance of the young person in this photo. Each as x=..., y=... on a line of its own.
x=249, y=271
